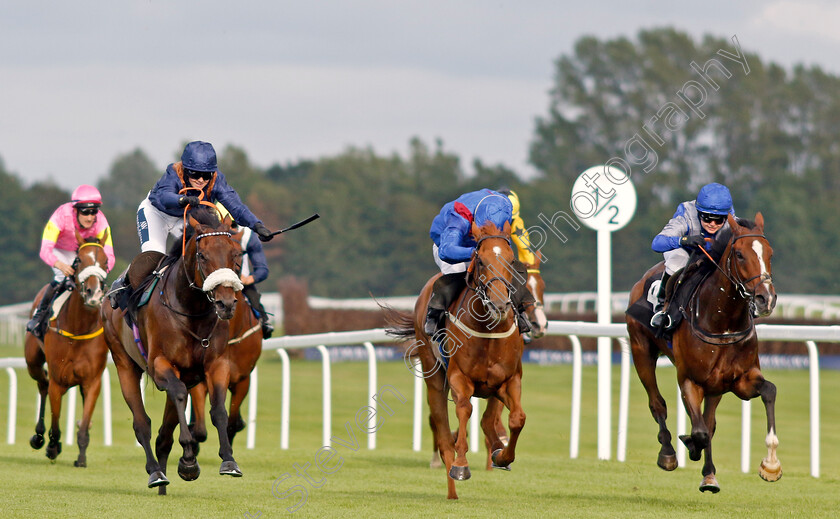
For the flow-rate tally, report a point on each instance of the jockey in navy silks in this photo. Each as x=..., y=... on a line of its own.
x=453, y=250
x=188, y=182
x=692, y=223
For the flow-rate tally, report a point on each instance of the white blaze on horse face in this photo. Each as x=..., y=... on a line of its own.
x=497, y=250
x=759, y=250
x=542, y=320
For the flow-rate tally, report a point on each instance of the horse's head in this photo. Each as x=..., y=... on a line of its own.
x=490, y=271
x=90, y=265
x=536, y=286
x=214, y=260
x=748, y=261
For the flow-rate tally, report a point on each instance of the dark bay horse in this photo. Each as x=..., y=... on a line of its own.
x=73, y=349
x=184, y=332
x=715, y=349
x=536, y=285
x=243, y=351
x=482, y=344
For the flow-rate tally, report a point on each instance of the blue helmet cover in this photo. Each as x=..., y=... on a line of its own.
x=714, y=198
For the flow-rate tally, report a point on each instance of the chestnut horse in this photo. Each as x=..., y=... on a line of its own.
x=481, y=348
x=73, y=349
x=184, y=330
x=243, y=351
x=715, y=349
x=536, y=285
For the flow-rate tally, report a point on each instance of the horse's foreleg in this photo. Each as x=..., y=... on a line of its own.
x=692, y=396
x=435, y=462
x=462, y=390
x=35, y=360
x=129, y=375
x=771, y=468
x=56, y=391
x=165, y=438
x=90, y=394
x=710, y=483
x=489, y=424
x=167, y=379
x=645, y=355
x=510, y=394
x=198, y=425
x=218, y=379
x=238, y=393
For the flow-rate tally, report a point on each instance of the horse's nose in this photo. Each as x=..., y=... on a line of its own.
x=224, y=309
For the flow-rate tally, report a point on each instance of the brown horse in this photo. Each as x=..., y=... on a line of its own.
x=73, y=349
x=243, y=351
x=715, y=349
x=483, y=347
x=184, y=330
x=536, y=285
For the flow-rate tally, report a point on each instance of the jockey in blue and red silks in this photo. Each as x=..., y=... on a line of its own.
x=692, y=223
x=454, y=246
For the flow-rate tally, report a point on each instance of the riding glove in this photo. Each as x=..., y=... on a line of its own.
x=191, y=200
x=262, y=231
x=693, y=241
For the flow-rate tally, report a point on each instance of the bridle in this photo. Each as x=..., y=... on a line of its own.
x=735, y=279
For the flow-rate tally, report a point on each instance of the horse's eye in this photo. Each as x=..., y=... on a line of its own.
x=200, y=256
x=739, y=255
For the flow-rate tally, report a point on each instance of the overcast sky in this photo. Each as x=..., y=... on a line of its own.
x=85, y=81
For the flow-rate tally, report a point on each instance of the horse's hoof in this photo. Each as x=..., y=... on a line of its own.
x=504, y=439
x=693, y=452
x=459, y=473
x=157, y=479
x=710, y=484
x=667, y=462
x=80, y=463
x=770, y=472
x=37, y=441
x=230, y=468
x=495, y=465
x=188, y=471
x=53, y=450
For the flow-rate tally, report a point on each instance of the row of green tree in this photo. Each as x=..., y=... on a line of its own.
x=679, y=112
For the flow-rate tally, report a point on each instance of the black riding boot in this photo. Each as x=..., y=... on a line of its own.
x=253, y=295
x=118, y=295
x=660, y=318
x=37, y=326
x=445, y=290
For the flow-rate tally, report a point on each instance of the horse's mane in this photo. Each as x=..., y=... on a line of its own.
x=92, y=239
x=725, y=235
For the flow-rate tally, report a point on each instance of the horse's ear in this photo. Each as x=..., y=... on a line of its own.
x=476, y=231
x=193, y=222
x=104, y=238
x=228, y=220
x=506, y=228
x=733, y=223
x=759, y=220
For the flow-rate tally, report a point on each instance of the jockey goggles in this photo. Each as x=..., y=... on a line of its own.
x=88, y=211
x=195, y=175
x=711, y=218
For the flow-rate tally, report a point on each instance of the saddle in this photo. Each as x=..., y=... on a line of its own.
x=679, y=291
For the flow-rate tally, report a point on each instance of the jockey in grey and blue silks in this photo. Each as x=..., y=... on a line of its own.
x=713, y=199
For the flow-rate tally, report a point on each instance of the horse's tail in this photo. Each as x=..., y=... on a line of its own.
x=398, y=324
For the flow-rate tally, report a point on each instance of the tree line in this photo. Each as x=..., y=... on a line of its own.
x=650, y=101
